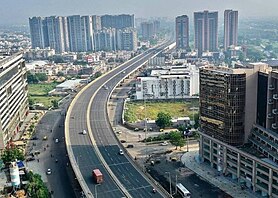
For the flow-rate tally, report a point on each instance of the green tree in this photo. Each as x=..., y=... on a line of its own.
x=12, y=154
x=41, y=77
x=97, y=74
x=163, y=120
x=36, y=188
x=176, y=139
x=55, y=104
x=31, y=78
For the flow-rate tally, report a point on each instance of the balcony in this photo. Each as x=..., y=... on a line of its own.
x=270, y=116
x=274, y=111
x=274, y=126
x=275, y=96
x=270, y=101
x=271, y=87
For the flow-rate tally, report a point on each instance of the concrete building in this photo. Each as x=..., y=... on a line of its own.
x=96, y=23
x=182, y=32
x=13, y=97
x=206, y=31
x=37, y=32
x=87, y=33
x=75, y=33
x=66, y=33
x=169, y=82
x=127, y=39
x=147, y=30
x=105, y=40
x=230, y=28
x=117, y=21
x=238, y=133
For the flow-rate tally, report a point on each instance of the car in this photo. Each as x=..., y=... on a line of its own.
x=123, y=72
x=29, y=159
x=48, y=172
x=122, y=141
x=136, y=129
x=84, y=132
x=161, y=130
x=34, y=138
x=45, y=138
x=150, y=129
x=130, y=146
x=164, y=143
x=56, y=140
x=121, y=152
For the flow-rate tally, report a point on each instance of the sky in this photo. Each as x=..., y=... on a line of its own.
x=16, y=12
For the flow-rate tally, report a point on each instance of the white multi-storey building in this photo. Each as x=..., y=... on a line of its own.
x=13, y=96
x=169, y=82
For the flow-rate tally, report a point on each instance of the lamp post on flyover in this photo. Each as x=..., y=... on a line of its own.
x=170, y=182
x=96, y=190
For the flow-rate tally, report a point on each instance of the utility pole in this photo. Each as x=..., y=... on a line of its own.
x=170, y=182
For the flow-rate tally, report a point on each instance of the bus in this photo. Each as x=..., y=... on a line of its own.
x=181, y=190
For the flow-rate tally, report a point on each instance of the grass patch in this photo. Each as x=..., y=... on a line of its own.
x=41, y=89
x=136, y=111
x=45, y=100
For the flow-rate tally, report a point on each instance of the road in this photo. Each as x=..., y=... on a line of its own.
x=85, y=154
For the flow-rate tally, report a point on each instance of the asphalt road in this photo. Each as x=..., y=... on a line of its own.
x=85, y=154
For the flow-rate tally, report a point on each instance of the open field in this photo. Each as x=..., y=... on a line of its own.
x=45, y=100
x=135, y=111
x=41, y=89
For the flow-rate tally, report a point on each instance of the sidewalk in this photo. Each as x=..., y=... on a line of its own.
x=190, y=159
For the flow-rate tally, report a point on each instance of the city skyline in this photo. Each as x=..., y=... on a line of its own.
x=19, y=14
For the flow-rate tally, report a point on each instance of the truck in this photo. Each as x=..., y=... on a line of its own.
x=97, y=175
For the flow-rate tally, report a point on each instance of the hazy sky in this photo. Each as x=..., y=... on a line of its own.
x=18, y=11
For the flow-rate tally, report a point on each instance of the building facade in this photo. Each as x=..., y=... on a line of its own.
x=117, y=21
x=37, y=32
x=238, y=125
x=230, y=28
x=96, y=23
x=206, y=31
x=13, y=97
x=182, y=32
x=87, y=33
x=105, y=40
x=127, y=39
x=169, y=82
x=147, y=30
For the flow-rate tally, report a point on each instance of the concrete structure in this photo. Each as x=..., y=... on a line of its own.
x=206, y=31
x=13, y=97
x=117, y=21
x=96, y=23
x=238, y=108
x=37, y=32
x=147, y=30
x=68, y=85
x=182, y=32
x=170, y=82
x=127, y=39
x=105, y=40
x=75, y=33
x=230, y=28
x=87, y=33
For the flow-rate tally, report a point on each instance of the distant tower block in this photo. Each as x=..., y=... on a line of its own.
x=14, y=171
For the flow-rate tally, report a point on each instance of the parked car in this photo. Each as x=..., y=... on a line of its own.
x=130, y=146
x=29, y=159
x=45, y=138
x=48, y=172
x=164, y=143
x=34, y=138
x=84, y=132
x=136, y=129
x=122, y=141
x=121, y=152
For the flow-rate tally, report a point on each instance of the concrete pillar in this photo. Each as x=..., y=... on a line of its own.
x=254, y=175
x=224, y=160
x=201, y=152
x=270, y=182
x=238, y=166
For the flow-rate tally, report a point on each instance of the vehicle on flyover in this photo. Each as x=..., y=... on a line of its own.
x=97, y=175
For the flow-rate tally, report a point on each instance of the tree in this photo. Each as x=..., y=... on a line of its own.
x=55, y=104
x=41, y=77
x=12, y=154
x=176, y=139
x=97, y=74
x=163, y=120
x=36, y=188
x=31, y=78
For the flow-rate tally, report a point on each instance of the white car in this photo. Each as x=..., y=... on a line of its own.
x=164, y=143
x=56, y=140
x=48, y=172
x=121, y=152
x=84, y=132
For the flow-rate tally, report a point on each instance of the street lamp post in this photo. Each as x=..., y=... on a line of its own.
x=96, y=190
x=170, y=182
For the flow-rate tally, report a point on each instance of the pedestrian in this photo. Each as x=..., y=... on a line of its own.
x=38, y=160
x=44, y=149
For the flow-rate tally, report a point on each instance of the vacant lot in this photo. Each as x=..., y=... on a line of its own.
x=41, y=89
x=135, y=111
x=39, y=93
